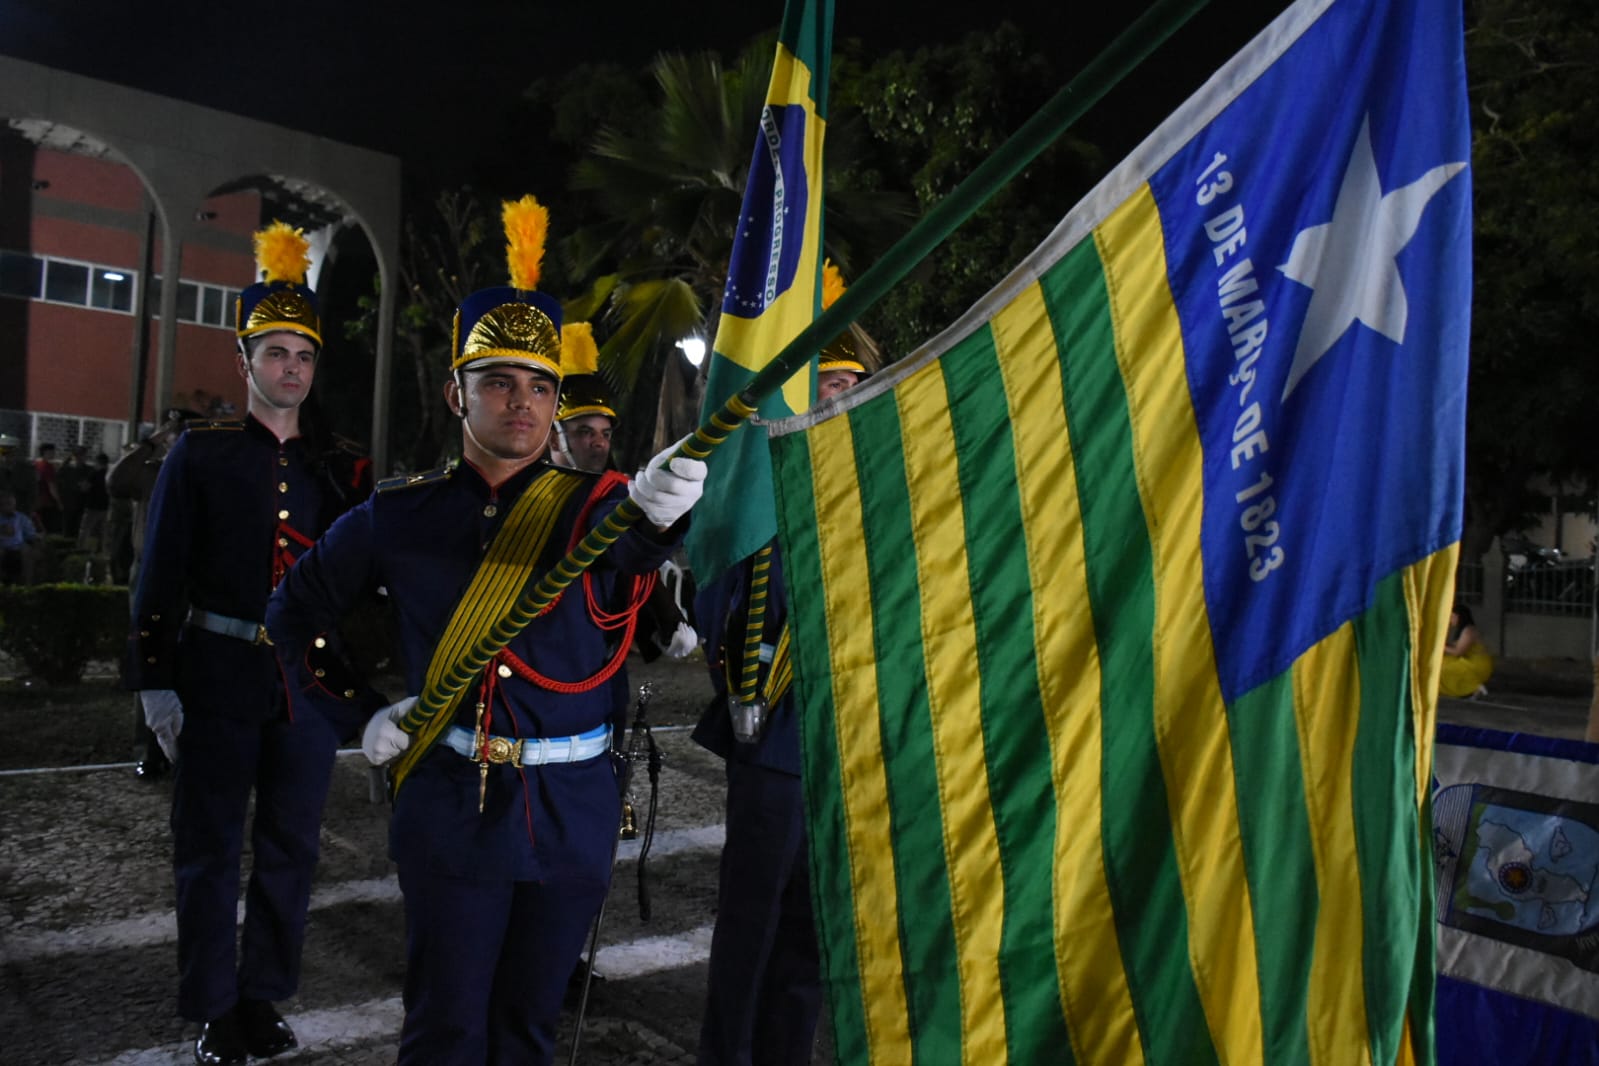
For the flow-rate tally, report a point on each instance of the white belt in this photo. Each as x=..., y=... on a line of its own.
x=531, y=751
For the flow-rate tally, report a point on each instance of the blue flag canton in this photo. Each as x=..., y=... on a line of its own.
x=1317, y=236
x=771, y=237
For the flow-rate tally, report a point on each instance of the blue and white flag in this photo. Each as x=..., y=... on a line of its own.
x=1516, y=849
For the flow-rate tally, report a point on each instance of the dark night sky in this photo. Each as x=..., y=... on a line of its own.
x=438, y=85
x=426, y=82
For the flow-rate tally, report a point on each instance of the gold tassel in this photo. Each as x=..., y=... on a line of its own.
x=832, y=284
x=527, y=222
x=283, y=252
x=579, y=353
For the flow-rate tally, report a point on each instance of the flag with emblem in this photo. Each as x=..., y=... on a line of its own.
x=773, y=288
x=1118, y=609
x=1515, y=841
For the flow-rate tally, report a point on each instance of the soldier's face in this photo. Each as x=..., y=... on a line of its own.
x=280, y=368
x=830, y=383
x=588, y=441
x=508, y=410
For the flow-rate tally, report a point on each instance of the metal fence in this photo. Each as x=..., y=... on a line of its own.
x=1559, y=588
x=34, y=428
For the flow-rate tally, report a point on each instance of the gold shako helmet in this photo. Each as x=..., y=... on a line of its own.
x=281, y=300
x=513, y=324
x=583, y=390
x=838, y=353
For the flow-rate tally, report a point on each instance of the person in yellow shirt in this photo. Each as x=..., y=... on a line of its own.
x=1467, y=662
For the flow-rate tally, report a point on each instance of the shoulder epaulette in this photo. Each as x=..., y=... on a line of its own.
x=565, y=471
x=586, y=475
x=194, y=425
x=405, y=481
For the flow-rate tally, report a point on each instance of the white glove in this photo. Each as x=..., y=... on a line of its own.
x=383, y=739
x=163, y=713
x=665, y=491
x=684, y=640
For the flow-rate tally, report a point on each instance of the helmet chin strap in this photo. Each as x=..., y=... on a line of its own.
x=255, y=389
x=460, y=403
x=564, y=445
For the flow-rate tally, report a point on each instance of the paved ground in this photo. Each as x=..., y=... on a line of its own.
x=86, y=935
x=87, y=955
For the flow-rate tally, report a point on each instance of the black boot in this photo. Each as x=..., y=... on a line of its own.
x=574, y=984
x=265, y=1032
x=221, y=1042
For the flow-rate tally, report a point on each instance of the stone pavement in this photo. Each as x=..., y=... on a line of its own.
x=87, y=940
x=87, y=953
x=1547, y=697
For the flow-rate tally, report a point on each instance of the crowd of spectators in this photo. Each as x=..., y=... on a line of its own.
x=51, y=507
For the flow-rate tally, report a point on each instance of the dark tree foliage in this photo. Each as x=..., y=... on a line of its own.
x=1533, y=73
x=643, y=171
x=661, y=179
x=448, y=250
x=934, y=115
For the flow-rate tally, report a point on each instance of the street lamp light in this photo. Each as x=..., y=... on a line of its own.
x=693, y=349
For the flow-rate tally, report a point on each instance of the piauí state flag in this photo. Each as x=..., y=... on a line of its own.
x=1515, y=842
x=1118, y=608
x=773, y=289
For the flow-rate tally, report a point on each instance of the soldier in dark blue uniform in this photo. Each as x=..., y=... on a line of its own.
x=506, y=806
x=765, y=984
x=584, y=421
x=235, y=503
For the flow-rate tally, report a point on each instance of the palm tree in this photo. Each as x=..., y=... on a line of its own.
x=449, y=248
x=670, y=187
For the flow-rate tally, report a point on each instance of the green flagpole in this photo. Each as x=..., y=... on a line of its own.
x=1123, y=55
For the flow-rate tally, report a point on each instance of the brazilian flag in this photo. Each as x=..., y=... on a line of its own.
x=773, y=288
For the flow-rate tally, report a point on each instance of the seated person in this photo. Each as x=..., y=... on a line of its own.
x=17, y=536
x=1467, y=663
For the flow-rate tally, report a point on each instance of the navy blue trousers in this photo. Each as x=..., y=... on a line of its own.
x=486, y=966
x=220, y=761
x=765, y=974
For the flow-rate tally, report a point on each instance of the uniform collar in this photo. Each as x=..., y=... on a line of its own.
x=511, y=486
x=258, y=428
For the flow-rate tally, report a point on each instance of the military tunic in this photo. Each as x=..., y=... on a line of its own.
x=497, y=902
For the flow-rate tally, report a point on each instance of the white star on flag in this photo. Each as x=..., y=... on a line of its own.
x=1349, y=262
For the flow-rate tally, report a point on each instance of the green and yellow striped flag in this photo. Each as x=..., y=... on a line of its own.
x=1117, y=610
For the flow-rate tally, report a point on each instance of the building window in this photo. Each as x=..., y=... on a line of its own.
x=111, y=290
x=66, y=283
x=20, y=275
x=188, y=301
x=211, y=306
x=208, y=305
x=107, y=288
x=63, y=281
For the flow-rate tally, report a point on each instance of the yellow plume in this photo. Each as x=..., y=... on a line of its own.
x=527, y=222
x=832, y=284
x=579, y=353
x=283, y=253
